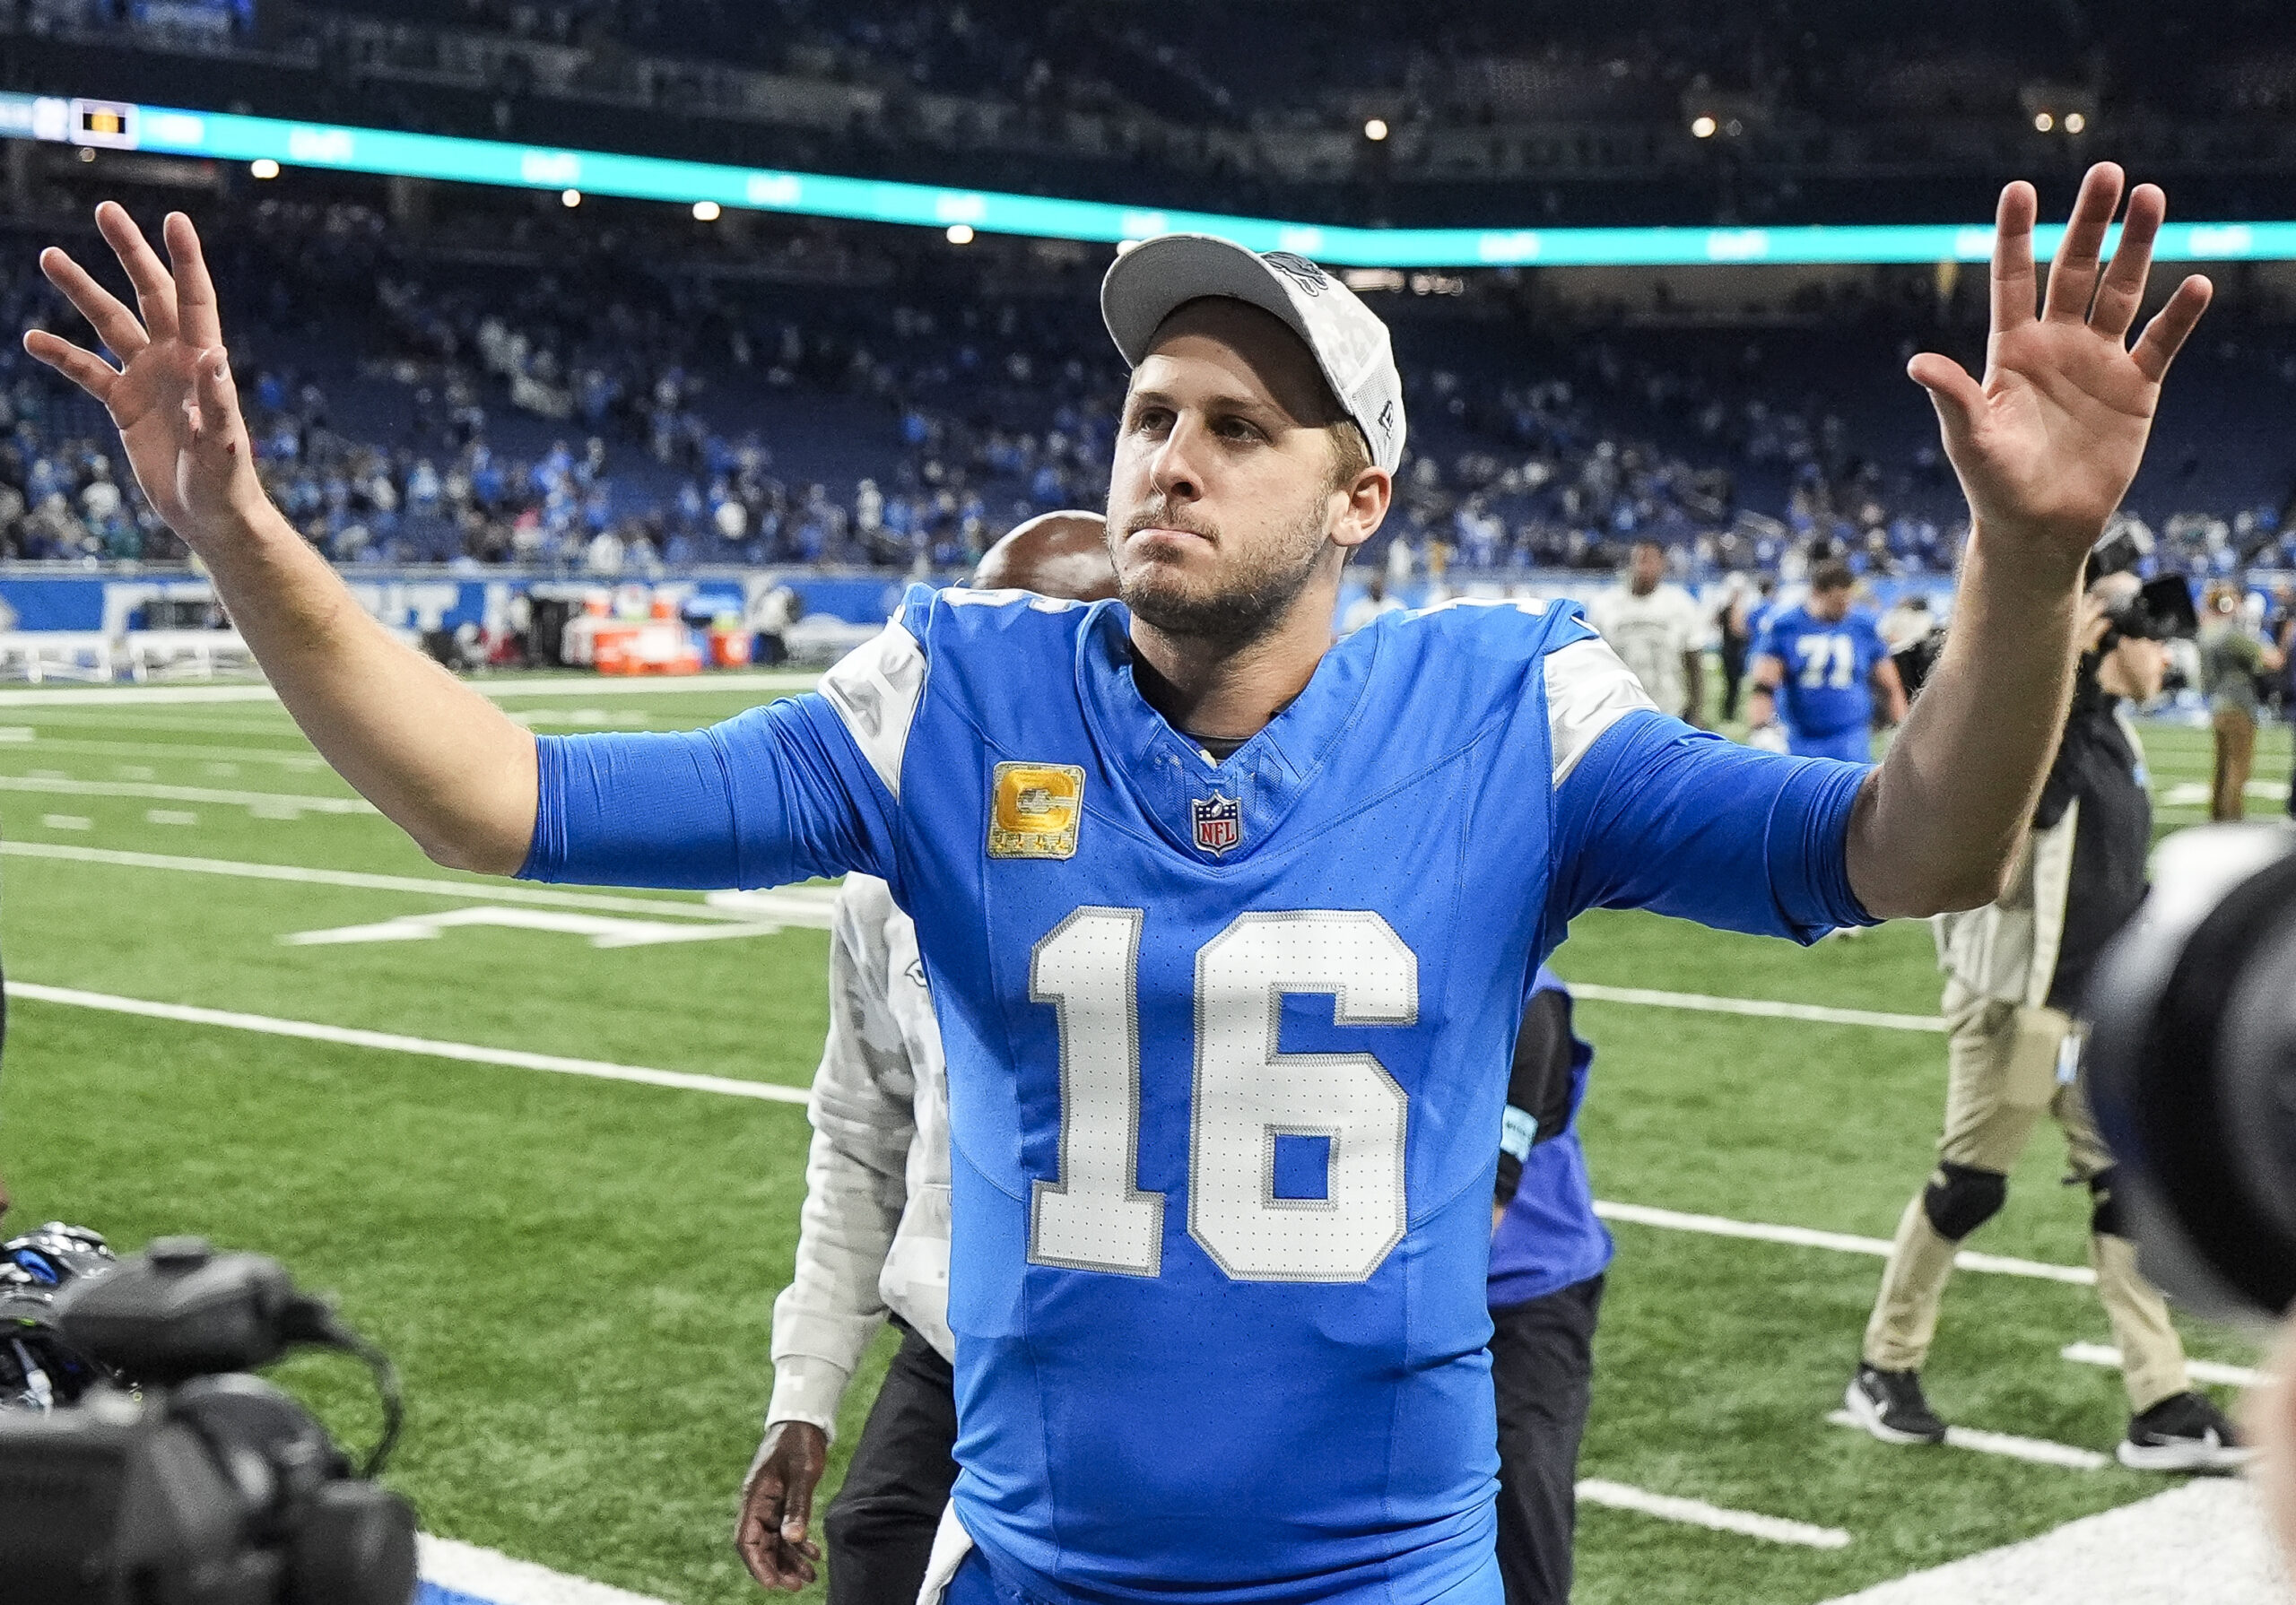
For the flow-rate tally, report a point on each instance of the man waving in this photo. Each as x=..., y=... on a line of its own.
x=1227, y=927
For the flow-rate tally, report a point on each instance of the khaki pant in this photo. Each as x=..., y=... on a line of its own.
x=2236, y=756
x=2003, y=1063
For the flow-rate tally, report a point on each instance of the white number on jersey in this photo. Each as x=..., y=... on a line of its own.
x=1247, y=1094
x=1827, y=660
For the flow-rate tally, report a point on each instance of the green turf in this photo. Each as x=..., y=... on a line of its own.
x=577, y=1276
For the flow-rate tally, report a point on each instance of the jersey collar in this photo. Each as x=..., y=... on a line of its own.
x=1168, y=776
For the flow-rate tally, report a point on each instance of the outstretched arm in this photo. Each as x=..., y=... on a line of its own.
x=2045, y=449
x=440, y=760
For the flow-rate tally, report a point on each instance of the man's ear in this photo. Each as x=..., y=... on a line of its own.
x=1365, y=507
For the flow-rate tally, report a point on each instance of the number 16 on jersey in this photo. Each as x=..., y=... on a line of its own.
x=1245, y=1094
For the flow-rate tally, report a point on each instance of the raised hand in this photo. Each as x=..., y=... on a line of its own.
x=2046, y=445
x=171, y=399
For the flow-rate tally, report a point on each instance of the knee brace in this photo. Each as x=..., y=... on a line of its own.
x=2104, y=1216
x=1962, y=1198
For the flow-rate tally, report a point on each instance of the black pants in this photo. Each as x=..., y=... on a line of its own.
x=1543, y=1370
x=880, y=1526
x=1734, y=653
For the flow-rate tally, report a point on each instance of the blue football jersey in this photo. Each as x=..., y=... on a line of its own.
x=1228, y=1042
x=1829, y=684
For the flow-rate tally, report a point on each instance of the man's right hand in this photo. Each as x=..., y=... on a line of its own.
x=778, y=1504
x=173, y=399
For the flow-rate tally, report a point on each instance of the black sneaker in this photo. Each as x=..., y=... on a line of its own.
x=1889, y=1405
x=2184, y=1433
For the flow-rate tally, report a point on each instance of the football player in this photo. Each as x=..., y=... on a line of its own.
x=1228, y=926
x=876, y=1233
x=1818, y=668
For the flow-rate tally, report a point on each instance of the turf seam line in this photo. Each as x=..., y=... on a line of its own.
x=791, y=907
x=2039, y=1452
x=2105, y=1355
x=1761, y=1007
x=393, y=1041
x=1803, y=1236
x=1698, y=1512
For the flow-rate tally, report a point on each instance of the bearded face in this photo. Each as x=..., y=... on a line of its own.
x=1230, y=595
x=1231, y=494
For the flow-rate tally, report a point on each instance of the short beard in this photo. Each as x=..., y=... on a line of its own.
x=1252, y=605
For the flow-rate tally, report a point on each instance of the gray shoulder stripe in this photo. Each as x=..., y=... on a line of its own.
x=1588, y=690
x=875, y=689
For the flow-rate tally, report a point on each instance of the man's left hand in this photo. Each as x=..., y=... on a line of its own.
x=2046, y=445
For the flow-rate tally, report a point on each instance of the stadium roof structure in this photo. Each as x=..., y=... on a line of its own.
x=230, y=136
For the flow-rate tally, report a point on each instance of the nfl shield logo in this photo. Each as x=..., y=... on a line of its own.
x=1219, y=823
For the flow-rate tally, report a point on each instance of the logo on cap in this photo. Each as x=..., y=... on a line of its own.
x=1219, y=823
x=1306, y=274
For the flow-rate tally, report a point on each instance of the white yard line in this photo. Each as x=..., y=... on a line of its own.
x=1803, y=1236
x=393, y=1043
x=2230, y=1376
x=791, y=906
x=587, y=686
x=1698, y=1512
x=185, y=751
x=488, y=1575
x=2204, y=1543
x=56, y=786
x=2039, y=1452
x=1763, y=1008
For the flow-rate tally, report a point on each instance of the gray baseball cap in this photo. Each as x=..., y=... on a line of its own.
x=1151, y=281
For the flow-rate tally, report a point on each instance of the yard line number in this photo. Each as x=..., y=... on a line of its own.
x=1248, y=1093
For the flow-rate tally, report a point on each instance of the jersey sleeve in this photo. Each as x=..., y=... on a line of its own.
x=807, y=786
x=1651, y=813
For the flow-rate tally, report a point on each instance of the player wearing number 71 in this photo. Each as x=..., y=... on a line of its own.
x=1818, y=669
x=1227, y=927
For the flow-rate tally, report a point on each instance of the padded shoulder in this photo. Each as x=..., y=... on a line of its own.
x=1523, y=651
x=1519, y=629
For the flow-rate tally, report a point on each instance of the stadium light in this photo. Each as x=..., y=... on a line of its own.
x=569, y=198
x=706, y=212
x=1702, y=127
x=1376, y=130
x=959, y=233
x=2043, y=122
x=262, y=167
x=2074, y=122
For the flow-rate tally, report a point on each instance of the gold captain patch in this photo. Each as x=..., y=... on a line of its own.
x=1034, y=810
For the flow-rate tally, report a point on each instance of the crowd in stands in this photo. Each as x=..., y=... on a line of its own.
x=579, y=398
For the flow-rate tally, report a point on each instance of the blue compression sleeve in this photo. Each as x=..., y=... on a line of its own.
x=1660, y=816
x=777, y=795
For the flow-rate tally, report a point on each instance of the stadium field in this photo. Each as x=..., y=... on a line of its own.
x=574, y=1264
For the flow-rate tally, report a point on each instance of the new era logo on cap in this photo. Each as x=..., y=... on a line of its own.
x=1156, y=277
